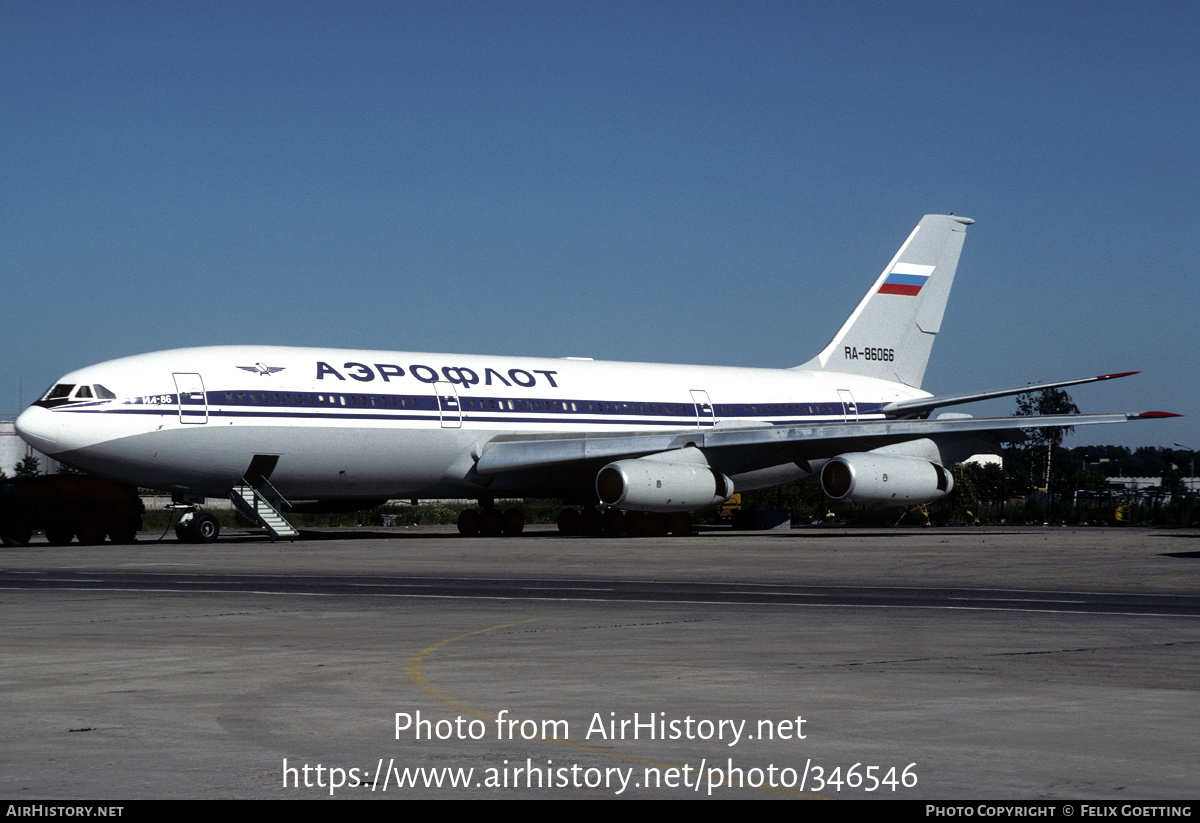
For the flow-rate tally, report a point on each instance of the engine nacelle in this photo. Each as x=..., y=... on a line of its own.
x=658, y=484
x=885, y=479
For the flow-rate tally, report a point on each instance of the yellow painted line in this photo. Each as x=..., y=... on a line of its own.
x=415, y=671
x=417, y=675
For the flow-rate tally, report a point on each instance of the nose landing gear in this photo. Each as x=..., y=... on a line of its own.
x=197, y=527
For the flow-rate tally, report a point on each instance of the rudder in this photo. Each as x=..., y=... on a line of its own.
x=890, y=334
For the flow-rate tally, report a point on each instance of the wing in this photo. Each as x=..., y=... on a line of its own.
x=763, y=445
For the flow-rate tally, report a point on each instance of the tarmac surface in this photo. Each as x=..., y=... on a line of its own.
x=973, y=663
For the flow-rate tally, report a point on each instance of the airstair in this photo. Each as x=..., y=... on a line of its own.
x=254, y=504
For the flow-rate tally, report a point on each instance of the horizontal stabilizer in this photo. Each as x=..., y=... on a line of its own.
x=921, y=405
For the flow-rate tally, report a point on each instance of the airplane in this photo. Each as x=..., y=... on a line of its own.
x=281, y=429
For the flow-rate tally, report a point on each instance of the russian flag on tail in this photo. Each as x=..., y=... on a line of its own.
x=906, y=278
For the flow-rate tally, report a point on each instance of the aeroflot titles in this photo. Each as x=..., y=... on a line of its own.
x=460, y=375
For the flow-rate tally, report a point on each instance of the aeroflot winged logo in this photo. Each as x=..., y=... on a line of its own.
x=907, y=279
x=262, y=369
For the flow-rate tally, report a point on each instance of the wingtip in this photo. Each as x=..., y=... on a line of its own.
x=1116, y=375
x=1151, y=415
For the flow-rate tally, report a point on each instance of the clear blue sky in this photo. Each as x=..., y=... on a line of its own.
x=682, y=182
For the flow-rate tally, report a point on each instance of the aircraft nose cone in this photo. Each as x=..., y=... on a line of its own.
x=39, y=428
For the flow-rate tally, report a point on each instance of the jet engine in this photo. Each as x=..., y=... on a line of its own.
x=885, y=479
x=676, y=481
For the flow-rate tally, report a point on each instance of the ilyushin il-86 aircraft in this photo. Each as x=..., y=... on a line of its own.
x=281, y=429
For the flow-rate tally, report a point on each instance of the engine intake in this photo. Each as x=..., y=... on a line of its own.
x=676, y=481
x=885, y=479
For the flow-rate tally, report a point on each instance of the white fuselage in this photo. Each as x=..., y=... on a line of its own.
x=350, y=424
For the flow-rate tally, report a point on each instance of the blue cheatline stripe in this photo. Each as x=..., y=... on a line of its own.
x=427, y=408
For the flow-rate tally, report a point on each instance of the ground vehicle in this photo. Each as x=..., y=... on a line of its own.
x=67, y=506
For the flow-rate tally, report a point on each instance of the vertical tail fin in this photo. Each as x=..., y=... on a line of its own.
x=891, y=333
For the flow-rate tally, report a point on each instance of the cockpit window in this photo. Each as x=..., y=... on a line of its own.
x=62, y=393
x=56, y=396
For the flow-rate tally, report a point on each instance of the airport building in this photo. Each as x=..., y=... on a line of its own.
x=13, y=450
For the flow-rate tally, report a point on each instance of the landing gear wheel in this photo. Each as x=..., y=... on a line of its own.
x=513, y=523
x=198, y=528
x=206, y=528
x=570, y=522
x=593, y=521
x=613, y=523
x=468, y=523
x=490, y=522
x=646, y=524
x=680, y=524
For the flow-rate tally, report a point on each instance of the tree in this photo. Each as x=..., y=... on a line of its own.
x=28, y=467
x=1045, y=402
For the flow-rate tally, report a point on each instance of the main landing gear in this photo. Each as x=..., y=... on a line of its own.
x=614, y=523
x=489, y=522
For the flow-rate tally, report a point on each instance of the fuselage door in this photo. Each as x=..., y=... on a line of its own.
x=704, y=408
x=448, y=404
x=849, y=407
x=193, y=405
